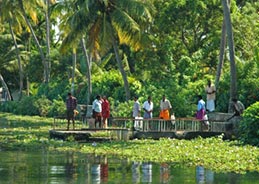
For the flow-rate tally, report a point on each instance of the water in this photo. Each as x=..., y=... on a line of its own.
x=58, y=168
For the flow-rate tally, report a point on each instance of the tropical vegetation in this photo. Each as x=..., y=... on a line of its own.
x=125, y=48
x=131, y=47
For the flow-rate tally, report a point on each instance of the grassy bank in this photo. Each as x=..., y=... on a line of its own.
x=30, y=133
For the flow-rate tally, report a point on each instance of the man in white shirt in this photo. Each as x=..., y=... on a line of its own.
x=136, y=113
x=148, y=108
x=211, y=96
x=165, y=107
x=97, y=111
x=136, y=108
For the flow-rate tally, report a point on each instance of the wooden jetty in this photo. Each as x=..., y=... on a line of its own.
x=155, y=128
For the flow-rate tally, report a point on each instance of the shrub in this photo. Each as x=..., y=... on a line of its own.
x=249, y=126
x=9, y=106
x=58, y=107
x=26, y=106
x=43, y=105
x=123, y=109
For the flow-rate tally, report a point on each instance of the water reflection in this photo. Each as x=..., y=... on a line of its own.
x=164, y=173
x=70, y=167
x=204, y=175
x=67, y=169
x=135, y=172
x=104, y=170
x=146, y=172
x=96, y=173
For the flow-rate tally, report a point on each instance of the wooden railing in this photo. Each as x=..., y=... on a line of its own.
x=150, y=125
x=178, y=124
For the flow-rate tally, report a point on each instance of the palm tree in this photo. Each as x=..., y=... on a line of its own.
x=14, y=19
x=64, y=11
x=233, y=78
x=19, y=61
x=23, y=7
x=221, y=51
x=109, y=23
x=47, y=19
x=89, y=69
x=6, y=89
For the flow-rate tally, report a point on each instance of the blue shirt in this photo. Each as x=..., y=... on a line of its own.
x=201, y=105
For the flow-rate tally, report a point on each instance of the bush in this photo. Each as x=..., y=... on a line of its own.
x=26, y=106
x=58, y=107
x=249, y=126
x=9, y=106
x=43, y=105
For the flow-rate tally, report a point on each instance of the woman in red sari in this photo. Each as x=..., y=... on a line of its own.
x=105, y=111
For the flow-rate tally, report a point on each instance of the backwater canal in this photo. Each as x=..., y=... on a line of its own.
x=71, y=168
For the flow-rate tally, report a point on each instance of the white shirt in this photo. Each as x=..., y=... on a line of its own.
x=136, y=109
x=97, y=105
x=148, y=106
x=165, y=105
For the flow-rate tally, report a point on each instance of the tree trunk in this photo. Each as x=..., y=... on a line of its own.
x=8, y=96
x=73, y=72
x=48, y=63
x=123, y=73
x=27, y=86
x=36, y=40
x=233, y=78
x=221, y=53
x=88, y=72
x=19, y=61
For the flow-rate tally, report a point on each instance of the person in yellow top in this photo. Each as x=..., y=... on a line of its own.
x=165, y=107
x=211, y=96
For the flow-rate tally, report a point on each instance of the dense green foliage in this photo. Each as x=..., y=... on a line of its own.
x=176, y=53
x=248, y=128
x=31, y=133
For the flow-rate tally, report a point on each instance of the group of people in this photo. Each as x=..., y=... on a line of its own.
x=209, y=106
x=237, y=107
x=101, y=111
x=101, y=107
x=148, y=106
x=165, y=107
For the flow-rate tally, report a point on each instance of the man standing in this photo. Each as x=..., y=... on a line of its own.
x=71, y=103
x=211, y=96
x=165, y=107
x=148, y=108
x=136, y=108
x=136, y=113
x=97, y=111
x=105, y=111
x=148, y=113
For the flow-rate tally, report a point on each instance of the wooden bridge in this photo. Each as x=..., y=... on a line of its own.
x=129, y=128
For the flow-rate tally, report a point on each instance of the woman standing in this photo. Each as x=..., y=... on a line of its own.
x=105, y=111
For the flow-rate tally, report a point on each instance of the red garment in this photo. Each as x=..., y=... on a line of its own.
x=200, y=114
x=105, y=109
